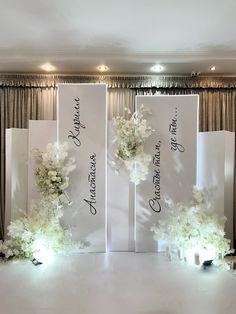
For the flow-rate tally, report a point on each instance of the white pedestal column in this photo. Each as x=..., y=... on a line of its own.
x=120, y=203
x=216, y=172
x=16, y=174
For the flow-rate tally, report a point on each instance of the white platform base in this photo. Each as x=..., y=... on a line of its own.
x=114, y=283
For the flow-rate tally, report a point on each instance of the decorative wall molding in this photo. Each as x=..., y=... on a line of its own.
x=118, y=81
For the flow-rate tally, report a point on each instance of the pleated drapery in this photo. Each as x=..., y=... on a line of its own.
x=119, y=81
x=118, y=100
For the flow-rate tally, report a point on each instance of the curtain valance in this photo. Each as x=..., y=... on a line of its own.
x=115, y=81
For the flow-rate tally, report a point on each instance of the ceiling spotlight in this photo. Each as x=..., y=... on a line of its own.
x=195, y=74
x=213, y=68
x=102, y=68
x=157, y=68
x=47, y=67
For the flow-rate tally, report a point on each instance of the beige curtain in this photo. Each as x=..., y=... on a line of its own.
x=118, y=100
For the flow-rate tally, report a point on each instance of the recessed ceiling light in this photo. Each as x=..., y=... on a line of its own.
x=157, y=68
x=103, y=68
x=47, y=67
x=213, y=68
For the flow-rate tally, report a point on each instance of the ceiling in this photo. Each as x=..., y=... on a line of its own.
x=129, y=36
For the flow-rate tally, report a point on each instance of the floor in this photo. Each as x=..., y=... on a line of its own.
x=114, y=283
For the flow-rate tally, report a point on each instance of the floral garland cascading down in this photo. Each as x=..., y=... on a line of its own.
x=130, y=138
x=41, y=228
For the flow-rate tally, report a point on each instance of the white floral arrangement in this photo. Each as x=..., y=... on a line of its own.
x=38, y=232
x=194, y=228
x=130, y=137
x=52, y=172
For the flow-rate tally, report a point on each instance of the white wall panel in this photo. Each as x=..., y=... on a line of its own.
x=173, y=147
x=82, y=122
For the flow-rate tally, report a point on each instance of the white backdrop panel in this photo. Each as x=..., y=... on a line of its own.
x=16, y=174
x=216, y=172
x=120, y=203
x=173, y=147
x=41, y=132
x=82, y=122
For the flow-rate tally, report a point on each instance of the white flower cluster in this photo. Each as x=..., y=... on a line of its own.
x=42, y=225
x=42, y=222
x=194, y=227
x=52, y=172
x=131, y=136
